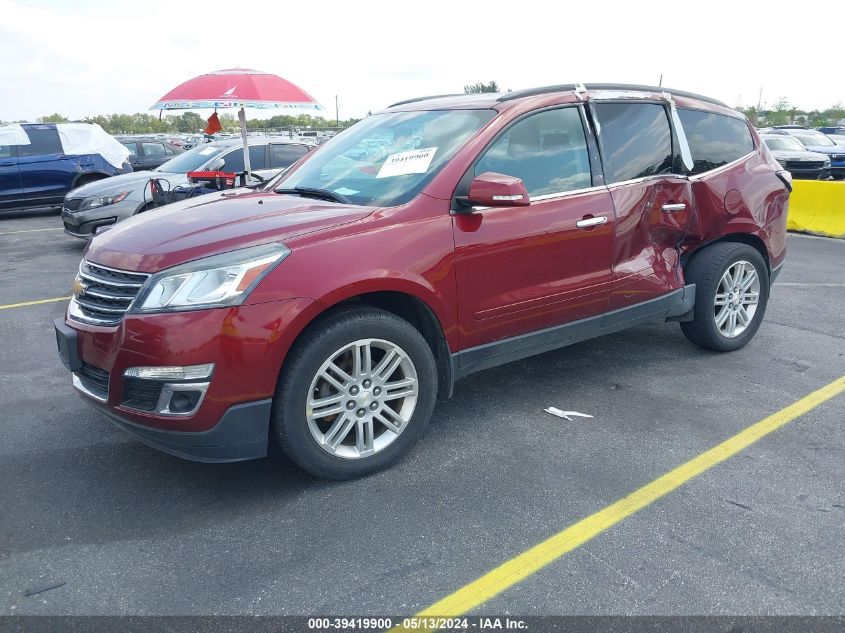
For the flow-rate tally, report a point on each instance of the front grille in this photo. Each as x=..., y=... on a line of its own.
x=95, y=380
x=141, y=394
x=103, y=294
x=72, y=204
x=805, y=164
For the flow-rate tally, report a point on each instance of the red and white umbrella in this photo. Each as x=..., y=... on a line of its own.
x=237, y=88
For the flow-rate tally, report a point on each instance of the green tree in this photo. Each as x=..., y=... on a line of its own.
x=481, y=87
x=52, y=118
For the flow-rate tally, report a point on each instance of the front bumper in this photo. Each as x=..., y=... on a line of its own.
x=83, y=224
x=247, y=345
x=241, y=434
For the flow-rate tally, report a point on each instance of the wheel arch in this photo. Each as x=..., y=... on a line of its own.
x=751, y=239
x=88, y=176
x=410, y=306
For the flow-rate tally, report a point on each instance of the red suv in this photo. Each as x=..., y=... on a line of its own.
x=328, y=308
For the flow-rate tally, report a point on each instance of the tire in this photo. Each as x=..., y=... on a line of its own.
x=707, y=270
x=837, y=176
x=311, y=440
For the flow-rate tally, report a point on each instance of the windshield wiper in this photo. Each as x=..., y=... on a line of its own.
x=314, y=192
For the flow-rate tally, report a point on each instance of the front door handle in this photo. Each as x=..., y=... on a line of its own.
x=586, y=223
x=671, y=207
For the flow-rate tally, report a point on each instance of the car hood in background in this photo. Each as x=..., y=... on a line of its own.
x=212, y=224
x=794, y=154
x=132, y=182
x=827, y=150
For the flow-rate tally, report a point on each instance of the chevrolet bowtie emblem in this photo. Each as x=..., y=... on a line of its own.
x=79, y=288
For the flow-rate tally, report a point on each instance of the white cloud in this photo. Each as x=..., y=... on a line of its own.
x=100, y=57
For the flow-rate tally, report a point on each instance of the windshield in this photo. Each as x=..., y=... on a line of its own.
x=817, y=139
x=192, y=160
x=783, y=143
x=387, y=159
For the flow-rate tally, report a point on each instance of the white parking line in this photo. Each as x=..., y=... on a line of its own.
x=31, y=231
x=810, y=284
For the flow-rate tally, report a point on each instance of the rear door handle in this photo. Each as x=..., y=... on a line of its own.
x=589, y=222
x=672, y=207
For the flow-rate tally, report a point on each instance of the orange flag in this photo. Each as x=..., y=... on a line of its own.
x=213, y=125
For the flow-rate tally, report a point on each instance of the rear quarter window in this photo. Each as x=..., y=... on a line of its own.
x=714, y=139
x=42, y=141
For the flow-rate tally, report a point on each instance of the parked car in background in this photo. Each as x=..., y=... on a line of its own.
x=148, y=153
x=815, y=141
x=795, y=158
x=327, y=309
x=40, y=163
x=100, y=204
x=837, y=130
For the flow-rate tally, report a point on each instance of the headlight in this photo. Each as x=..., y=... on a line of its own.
x=221, y=280
x=102, y=201
x=827, y=162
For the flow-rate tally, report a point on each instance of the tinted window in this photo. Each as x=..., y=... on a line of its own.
x=42, y=141
x=637, y=138
x=714, y=139
x=132, y=147
x=5, y=151
x=234, y=161
x=153, y=149
x=547, y=151
x=286, y=155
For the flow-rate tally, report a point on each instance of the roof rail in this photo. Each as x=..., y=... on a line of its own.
x=415, y=99
x=532, y=92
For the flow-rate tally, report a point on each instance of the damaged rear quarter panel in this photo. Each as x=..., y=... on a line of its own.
x=742, y=197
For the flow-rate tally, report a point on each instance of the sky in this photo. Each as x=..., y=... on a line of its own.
x=85, y=58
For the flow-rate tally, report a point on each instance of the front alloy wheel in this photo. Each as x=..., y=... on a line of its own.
x=356, y=391
x=362, y=398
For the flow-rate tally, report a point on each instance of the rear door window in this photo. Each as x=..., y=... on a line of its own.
x=233, y=162
x=547, y=151
x=43, y=140
x=153, y=149
x=637, y=139
x=714, y=139
x=286, y=154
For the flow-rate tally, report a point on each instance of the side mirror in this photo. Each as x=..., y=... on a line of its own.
x=497, y=190
x=215, y=165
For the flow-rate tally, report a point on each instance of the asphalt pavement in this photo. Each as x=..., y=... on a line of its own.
x=129, y=530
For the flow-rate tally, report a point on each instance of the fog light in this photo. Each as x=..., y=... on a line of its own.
x=184, y=401
x=191, y=372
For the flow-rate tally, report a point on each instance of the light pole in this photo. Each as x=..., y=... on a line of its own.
x=336, y=113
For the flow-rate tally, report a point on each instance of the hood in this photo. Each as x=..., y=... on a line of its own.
x=795, y=154
x=133, y=182
x=213, y=224
x=827, y=150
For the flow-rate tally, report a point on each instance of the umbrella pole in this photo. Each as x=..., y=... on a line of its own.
x=242, y=119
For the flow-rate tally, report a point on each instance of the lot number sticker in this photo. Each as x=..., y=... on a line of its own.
x=413, y=162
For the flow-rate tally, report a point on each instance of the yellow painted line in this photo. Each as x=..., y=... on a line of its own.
x=531, y=561
x=9, y=306
x=31, y=231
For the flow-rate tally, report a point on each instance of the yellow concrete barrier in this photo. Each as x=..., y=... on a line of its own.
x=817, y=207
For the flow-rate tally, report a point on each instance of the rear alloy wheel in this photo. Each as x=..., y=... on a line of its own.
x=355, y=394
x=731, y=292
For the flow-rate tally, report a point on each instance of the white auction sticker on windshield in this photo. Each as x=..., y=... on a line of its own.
x=413, y=162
